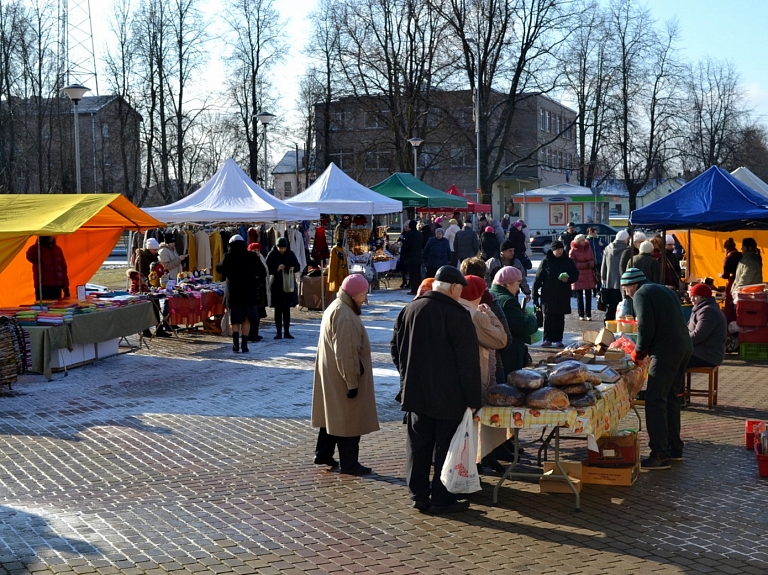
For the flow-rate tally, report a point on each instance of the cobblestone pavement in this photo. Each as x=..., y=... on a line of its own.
x=187, y=458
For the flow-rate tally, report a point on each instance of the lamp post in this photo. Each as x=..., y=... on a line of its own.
x=265, y=118
x=415, y=142
x=76, y=93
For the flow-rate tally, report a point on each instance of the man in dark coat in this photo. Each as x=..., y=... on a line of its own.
x=243, y=271
x=552, y=289
x=281, y=261
x=663, y=335
x=567, y=237
x=437, y=253
x=410, y=256
x=466, y=243
x=435, y=349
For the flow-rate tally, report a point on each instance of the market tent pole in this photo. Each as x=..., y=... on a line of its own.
x=39, y=274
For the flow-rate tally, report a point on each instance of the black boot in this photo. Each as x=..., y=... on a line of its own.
x=244, y=344
x=236, y=341
x=287, y=323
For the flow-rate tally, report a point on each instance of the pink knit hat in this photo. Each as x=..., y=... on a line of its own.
x=489, y=229
x=354, y=285
x=507, y=275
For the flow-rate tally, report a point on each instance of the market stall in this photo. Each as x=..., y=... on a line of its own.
x=86, y=226
x=472, y=206
x=413, y=193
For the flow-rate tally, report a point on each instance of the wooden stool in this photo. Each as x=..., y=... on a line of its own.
x=710, y=393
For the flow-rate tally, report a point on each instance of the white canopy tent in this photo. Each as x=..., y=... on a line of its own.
x=231, y=196
x=748, y=177
x=334, y=192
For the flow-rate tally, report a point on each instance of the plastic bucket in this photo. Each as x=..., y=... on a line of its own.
x=762, y=462
x=749, y=432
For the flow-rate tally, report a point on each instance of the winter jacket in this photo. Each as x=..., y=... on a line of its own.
x=489, y=245
x=749, y=271
x=661, y=326
x=243, y=271
x=289, y=260
x=466, y=244
x=433, y=347
x=673, y=271
x=426, y=233
x=647, y=264
x=170, y=260
x=598, y=249
x=490, y=336
x=51, y=263
x=144, y=259
x=450, y=234
x=554, y=295
x=437, y=253
x=626, y=256
x=610, y=269
x=343, y=362
x=410, y=251
x=708, y=329
x=730, y=264
x=566, y=237
x=521, y=325
x=582, y=256
x=493, y=265
x=517, y=237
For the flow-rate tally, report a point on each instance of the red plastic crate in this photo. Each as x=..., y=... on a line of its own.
x=762, y=461
x=750, y=430
x=752, y=313
x=759, y=335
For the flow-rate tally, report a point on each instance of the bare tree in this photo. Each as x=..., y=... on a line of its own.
x=311, y=91
x=256, y=41
x=12, y=24
x=718, y=114
x=645, y=105
x=751, y=151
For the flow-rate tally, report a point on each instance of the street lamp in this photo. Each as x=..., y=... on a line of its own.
x=415, y=142
x=76, y=93
x=265, y=118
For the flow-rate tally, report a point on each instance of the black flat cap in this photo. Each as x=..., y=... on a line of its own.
x=450, y=275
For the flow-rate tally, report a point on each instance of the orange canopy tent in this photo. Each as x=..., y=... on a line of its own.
x=87, y=228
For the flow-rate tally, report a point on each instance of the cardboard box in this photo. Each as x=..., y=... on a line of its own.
x=310, y=295
x=549, y=484
x=625, y=476
x=616, y=451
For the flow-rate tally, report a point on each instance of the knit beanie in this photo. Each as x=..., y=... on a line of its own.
x=354, y=285
x=474, y=289
x=632, y=276
x=622, y=236
x=507, y=275
x=701, y=289
x=646, y=247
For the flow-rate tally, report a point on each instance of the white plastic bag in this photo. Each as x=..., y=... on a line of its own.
x=459, y=473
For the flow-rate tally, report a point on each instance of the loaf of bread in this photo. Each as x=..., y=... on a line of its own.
x=576, y=388
x=568, y=373
x=506, y=396
x=526, y=379
x=547, y=398
x=584, y=400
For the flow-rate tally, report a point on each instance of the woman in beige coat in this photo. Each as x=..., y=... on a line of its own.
x=343, y=399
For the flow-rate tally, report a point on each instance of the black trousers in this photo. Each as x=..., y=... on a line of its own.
x=414, y=277
x=612, y=300
x=49, y=292
x=431, y=272
x=349, y=448
x=662, y=407
x=428, y=437
x=554, y=326
x=581, y=295
x=283, y=319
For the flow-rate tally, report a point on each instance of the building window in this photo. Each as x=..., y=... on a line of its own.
x=543, y=115
x=556, y=124
x=344, y=158
x=105, y=131
x=377, y=120
x=287, y=187
x=549, y=121
x=560, y=163
x=377, y=161
x=433, y=118
x=428, y=156
x=339, y=120
x=549, y=158
x=462, y=158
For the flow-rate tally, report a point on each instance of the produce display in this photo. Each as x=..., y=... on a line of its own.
x=547, y=398
x=526, y=379
x=568, y=373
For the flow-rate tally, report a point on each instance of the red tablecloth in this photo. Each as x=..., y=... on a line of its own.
x=193, y=307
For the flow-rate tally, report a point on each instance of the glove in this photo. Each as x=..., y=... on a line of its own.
x=352, y=393
x=638, y=356
x=66, y=292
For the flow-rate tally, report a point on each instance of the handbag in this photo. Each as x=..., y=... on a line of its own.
x=602, y=305
x=596, y=276
x=289, y=281
x=539, y=316
x=459, y=473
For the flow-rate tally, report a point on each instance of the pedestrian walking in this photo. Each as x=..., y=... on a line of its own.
x=552, y=290
x=343, y=398
x=282, y=262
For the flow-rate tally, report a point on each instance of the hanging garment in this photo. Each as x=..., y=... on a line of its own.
x=191, y=261
x=320, y=249
x=217, y=254
x=296, y=242
x=253, y=236
x=203, y=246
x=338, y=268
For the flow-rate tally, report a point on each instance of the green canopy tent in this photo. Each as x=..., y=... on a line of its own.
x=416, y=194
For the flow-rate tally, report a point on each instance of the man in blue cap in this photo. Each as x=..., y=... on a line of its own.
x=434, y=347
x=663, y=335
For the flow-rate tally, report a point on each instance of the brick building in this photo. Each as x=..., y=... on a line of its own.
x=37, y=146
x=362, y=142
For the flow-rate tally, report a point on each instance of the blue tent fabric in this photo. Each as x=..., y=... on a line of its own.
x=714, y=201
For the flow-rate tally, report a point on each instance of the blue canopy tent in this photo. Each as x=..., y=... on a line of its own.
x=714, y=201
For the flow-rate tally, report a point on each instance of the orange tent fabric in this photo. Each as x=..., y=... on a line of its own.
x=705, y=253
x=87, y=228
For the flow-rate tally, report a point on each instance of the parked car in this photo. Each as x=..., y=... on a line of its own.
x=544, y=241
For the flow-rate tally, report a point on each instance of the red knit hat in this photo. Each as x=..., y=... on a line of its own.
x=254, y=246
x=702, y=290
x=474, y=289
